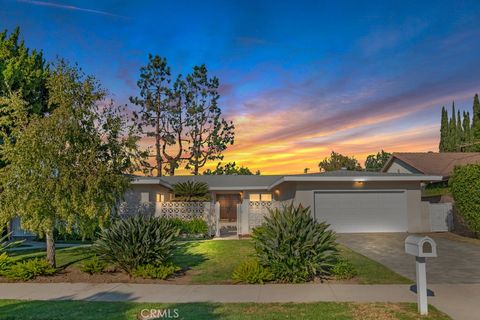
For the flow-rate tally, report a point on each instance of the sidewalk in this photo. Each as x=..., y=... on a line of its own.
x=459, y=301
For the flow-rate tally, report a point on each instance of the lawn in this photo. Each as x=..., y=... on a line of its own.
x=15, y=309
x=213, y=261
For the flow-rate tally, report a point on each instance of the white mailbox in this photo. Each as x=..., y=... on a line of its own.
x=421, y=246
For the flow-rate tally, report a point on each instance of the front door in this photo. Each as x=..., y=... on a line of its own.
x=228, y=206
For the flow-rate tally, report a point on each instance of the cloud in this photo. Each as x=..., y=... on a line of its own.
x=69, y=7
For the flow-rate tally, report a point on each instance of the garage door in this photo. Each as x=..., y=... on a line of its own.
x=362, y=211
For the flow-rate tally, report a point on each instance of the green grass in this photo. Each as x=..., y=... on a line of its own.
x=371, y=272
x=212, y=262
x=432, y=192
x=51, y=310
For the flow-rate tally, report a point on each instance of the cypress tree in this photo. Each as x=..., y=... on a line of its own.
x=467, y=133
x=443, y=146
x=459, y=144
x=452, y=131
x=476, y=124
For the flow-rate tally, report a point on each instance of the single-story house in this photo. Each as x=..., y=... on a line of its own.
x=429, y=163
x=350, y=201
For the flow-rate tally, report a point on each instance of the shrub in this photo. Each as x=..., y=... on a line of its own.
x=136, y=241
x=294, y=246
x=344, y=270
x=195, y=226
x=6, y=244
x=251, y=271
x=5, y=261
x=155, y=272
x=29, y=269
x=191, y=191
x=465, y=188
x=93, y=266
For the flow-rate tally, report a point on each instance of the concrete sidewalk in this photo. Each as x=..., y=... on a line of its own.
x=459, y=301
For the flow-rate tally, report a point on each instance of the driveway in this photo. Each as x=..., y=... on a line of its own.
x=458, y=258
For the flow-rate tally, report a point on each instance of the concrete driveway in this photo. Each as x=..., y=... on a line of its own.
x=458, y=258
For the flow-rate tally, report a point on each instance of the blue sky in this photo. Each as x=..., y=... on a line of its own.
x=299, y=78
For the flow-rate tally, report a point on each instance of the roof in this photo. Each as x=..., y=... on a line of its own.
x=267, y=182
x=434, y=163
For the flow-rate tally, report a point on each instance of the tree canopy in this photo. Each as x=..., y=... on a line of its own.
x=67, y=170
x=337, y=161
x=375, y=162
x=230, y=168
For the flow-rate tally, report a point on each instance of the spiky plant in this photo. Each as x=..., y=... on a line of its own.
x=191, y=190
x=136, y=241
x=294, y=246
x=6, y=244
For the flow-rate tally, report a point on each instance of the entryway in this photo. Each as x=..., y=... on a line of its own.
x=228, y=213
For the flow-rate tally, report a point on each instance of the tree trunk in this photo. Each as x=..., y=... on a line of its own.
x=157, y=145
x=51, y=248
x=171, y=168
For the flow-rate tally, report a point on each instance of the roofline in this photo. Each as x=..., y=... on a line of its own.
x=355, y=179
x=395, y=156
x=150, y=180
x=239, y=188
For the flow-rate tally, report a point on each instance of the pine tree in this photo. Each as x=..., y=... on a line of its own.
x=476, y=124
x=467, y=133
x=443, y=146
x=452, y=131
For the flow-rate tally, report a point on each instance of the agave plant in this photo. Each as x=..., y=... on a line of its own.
x=294, y=246
x=191, y=190
x=136, y=241
x=6, y=244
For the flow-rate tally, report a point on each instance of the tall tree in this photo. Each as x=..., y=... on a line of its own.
x=459, y=146
x=209, y=133
x=467, y=132
x=23, y=74
x=452, y=131
x=444, y=132
x=68, y=169
x=230, y=168
x=154, y=85
x=375, y=162
x=337, y=161
x=476, y=125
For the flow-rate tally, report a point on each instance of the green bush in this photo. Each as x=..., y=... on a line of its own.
x=294, y=246
x=6, y=244
x=29, y=269
x=191, y=191
x=155, y=272
x=195, y=226
x=344, y=270
x=5, y=261
x=251, y=271
x=465, y=188
x=93, y=266
x=137, y=240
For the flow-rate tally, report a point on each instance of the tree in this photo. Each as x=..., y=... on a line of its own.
x=154, y=85
x=377, y=162
x=467, y=132
x=337, y=161
x=230, y=168
x=459, y=146
x=452, y=131
x=23, y=75
x=444, y=132
x=476, y=125
x=67, y=170
x=209, y=134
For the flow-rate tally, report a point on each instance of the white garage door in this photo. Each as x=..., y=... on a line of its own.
x=362, y=211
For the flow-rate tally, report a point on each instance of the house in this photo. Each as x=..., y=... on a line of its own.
x=429, y=163
x=350, y=201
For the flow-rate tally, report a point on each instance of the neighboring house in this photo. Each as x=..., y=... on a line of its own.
x=429, y=163
x=350, y=201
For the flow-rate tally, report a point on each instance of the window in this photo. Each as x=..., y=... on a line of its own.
x=261, y=197
x=160, y=197
x=144, y=197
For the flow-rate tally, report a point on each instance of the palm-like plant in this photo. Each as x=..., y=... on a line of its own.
x=294, y=246
x=191, y=190
x=6, y=244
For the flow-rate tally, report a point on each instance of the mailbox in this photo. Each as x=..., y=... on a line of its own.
x=421, y=246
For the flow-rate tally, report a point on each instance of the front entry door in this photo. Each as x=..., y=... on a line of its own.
x=228, y=206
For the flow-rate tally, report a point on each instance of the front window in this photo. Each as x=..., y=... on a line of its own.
x=260, y=197
x=160, y=197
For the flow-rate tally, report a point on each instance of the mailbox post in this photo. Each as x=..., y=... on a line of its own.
x=421, y=248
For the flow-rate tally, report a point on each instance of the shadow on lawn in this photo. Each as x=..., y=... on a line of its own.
x=105, y=305
x=185, y=258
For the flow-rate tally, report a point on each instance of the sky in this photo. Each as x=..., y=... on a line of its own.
x=298, y=78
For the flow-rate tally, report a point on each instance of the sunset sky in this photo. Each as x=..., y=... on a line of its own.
x=298, y=78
